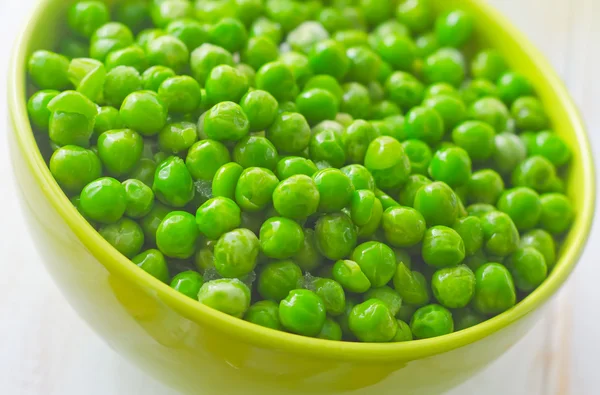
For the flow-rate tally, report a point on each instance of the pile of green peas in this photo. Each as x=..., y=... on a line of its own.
x=338, y=169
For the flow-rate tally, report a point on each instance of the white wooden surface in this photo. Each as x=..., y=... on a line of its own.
x=46, y=349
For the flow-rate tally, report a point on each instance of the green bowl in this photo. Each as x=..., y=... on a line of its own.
x=199, y=350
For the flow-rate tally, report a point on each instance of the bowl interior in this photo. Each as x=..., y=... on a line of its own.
x=492, y=30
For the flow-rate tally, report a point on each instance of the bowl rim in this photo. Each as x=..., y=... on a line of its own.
x=256, y=335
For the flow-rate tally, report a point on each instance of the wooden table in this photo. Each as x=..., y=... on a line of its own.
x=46, y=349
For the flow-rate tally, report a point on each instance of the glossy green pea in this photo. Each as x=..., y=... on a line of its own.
x=494, y=289
x=535, y=172
x=85, y=17
x=500, y=234
x=125, y=235
x=188, y=283
x=491, y=111
x=335, y=189
x=109, y=37
x=454, y=29
x=229, y=33
x=451, y=165
x=528, y=268
x=206, y=57
x=306, y=35
x=390, y=27
x=441, y=89
x=329, y=57
x=398, y=50
x=145, y=36
x=512, y=85
x=177, y=234
x=264, y=313
x=153, y=262
x=476, y=138
x=451, y=109
x=445, y=65
x=419, y=154
x=302, y=312
x=89, y=76
x=317, y=105
x=37, y=107
x=132, y=56
x=424, y=123
x=480, y=209
x=470, y=231
x=277, y=79
x=260, y=108
x=296, y=197
x=177, y=137
x=255, y=151
x=140, y=198
x=218, y=216
x=189, y=31
x=409, y=190
x=281, y=238
x=120, y=83
x=49, y=70
x=255, y=188
x=523, y=205
x=287, y=106
x=260, y=51
x=225, y=83
x=528, y=113
x=552, y=147
x=74, y=167
x=103, y=200
x=385, y=109
x=336, y=236
x=474, y=90
x=173, y=184
x=144, y=171
x=263, y=26
x=403, y=333
x=356, y=139
x=153, y=77
x=120, y=150
x=144, y=112
x=228, y=295
x=168, y=51
x=248, y=10
x=438, y=204
x=453, y=287
x=332, y=19
x=327, y=83
x=226, y=121
x=166, y=11
x=557, y=213
x=278, y=279
x=294, y=165
x=387, y=161
x=211, y=11
x=365, y=208
x=225, y=180
x=412, y=286
x=372, y=322
x=299, y=64
x=488, y=64
x=363, y=64
x=543, y=242
x=356, y=100
x=332, y=294
x=376, y=261
x=204, y=159
x=431, y=321
x=180, y=94
x=236, y=253
x=442, y=247
x=289, y=132
x=387, y=295
x=152, y=220
x=248, y=72
x=510, y=151
x=331, y=330
x=359, y=176
x=418, y=15
x=403, y=226
x=108, y=118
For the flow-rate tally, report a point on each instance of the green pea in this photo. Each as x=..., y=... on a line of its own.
x=143, y=112
x=454, y=29
x=385, y=109
x=491, y=111
x=412, y=286
x=473, y=90
x=335, y=189
x=225, y=180
x=501, y=237
x=296, y=197
x=74, y=167
x=248, y=10
x=403, y=226
x=277, y=79
x=125, y=235
x=399, y=50
x=471, y=232
x=331, y=330
x=442, y=247
x=513, y=85
x=189, y=31
x=153, y=77
x=120, y=150
x=543, y=242
x=451, y=165
x=528, y=268
x=188, y=283
x=302, y=312
x=528, y=113
x=363, y=64
x=409, y=190
x=120, y=82
x=372, y=322
x=206, y=57
x=103, y=200
x=327, y=83
x=153, y=262
x=387, y=295
x=108, y=118
x=177, y=137
x=376, y=261
x=476, y=138
x=180, y=94
x=228, y=295
x=489, y=64
x=140, y=198
x=204, y=258
x=281, y=238
x=132, y=56
x=494, y=289
x=403, y=333
x=453, y=287
x=263, y=26
x=552, y=147
x=535, y=172
x=204, y=159
x=85, y=17
x=418, y=15
x=424, y=123
x=510, y=152
x=229, y=33
x=336, y=236
x=557, y=213
x=37, y=107
x=299, y=64
x=480, y=209
x=168, y=51
x=255, y=188
x=308, y=258
x=359, y=176
x=177, y=234
x=226, y=121
x=109, y=37
x=387, y=161
x=366, y=211
x=173, y=184
x=356, y=100
x=278, y=279
x=317, y=105
x=431, y=321
x=236, y=253
x=289, y=132
x=332, y=294
x=329, y=57
x=438, y=204
x=451, y=109
x=356, y=139
x=145, y=36
x=255, y=151
x=264, y=313
x=485, y=186
x=261, y=109
x=523, y=205
x=73, y=48
x=49, y=70
x=225, y=83
x=445, y=65
x=218, y=216
x=294, y=165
